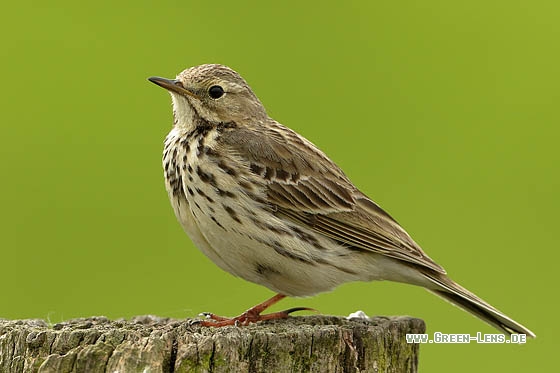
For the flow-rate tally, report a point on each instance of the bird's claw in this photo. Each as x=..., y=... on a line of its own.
x=193, y=322
x=296, y=309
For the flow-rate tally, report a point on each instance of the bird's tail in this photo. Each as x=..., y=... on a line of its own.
x=461, y=297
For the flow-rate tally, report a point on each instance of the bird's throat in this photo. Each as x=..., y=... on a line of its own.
x=184, y=115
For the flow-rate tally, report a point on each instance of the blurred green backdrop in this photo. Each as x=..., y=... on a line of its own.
x=446, y=113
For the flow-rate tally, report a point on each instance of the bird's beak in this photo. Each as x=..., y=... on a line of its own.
x=172, y=85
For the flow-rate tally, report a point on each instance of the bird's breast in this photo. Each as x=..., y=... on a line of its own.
x=212, y=194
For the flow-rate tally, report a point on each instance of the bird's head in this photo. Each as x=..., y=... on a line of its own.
x=214, y=93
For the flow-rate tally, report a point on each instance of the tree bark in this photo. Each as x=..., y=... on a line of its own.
x=152, y=344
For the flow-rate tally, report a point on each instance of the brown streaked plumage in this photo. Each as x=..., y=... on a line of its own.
x=267, y=205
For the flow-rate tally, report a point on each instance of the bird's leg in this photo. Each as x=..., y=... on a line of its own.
x=252, y=315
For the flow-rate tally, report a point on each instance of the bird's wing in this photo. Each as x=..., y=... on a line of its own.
x=304, y=185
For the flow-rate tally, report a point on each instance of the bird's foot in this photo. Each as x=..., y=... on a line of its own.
x=246, y=317
x=252, y=315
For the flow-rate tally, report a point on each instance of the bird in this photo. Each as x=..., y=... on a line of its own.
x=267, y=205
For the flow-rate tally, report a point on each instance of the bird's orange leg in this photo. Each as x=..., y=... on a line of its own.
x=252, y=315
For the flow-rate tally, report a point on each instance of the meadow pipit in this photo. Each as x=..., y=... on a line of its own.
x=267, y=205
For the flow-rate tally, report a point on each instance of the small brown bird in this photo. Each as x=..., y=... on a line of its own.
x=267, y=205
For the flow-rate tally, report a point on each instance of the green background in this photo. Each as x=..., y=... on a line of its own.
x=446, y=113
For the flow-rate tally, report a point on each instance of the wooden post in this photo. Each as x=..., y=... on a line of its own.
x=152, y=344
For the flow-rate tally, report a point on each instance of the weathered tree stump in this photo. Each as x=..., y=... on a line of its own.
x=152, y=344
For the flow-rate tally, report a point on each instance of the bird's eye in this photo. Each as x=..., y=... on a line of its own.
x=216, y=92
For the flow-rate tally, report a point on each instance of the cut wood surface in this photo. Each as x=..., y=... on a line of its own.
x=152, y=344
